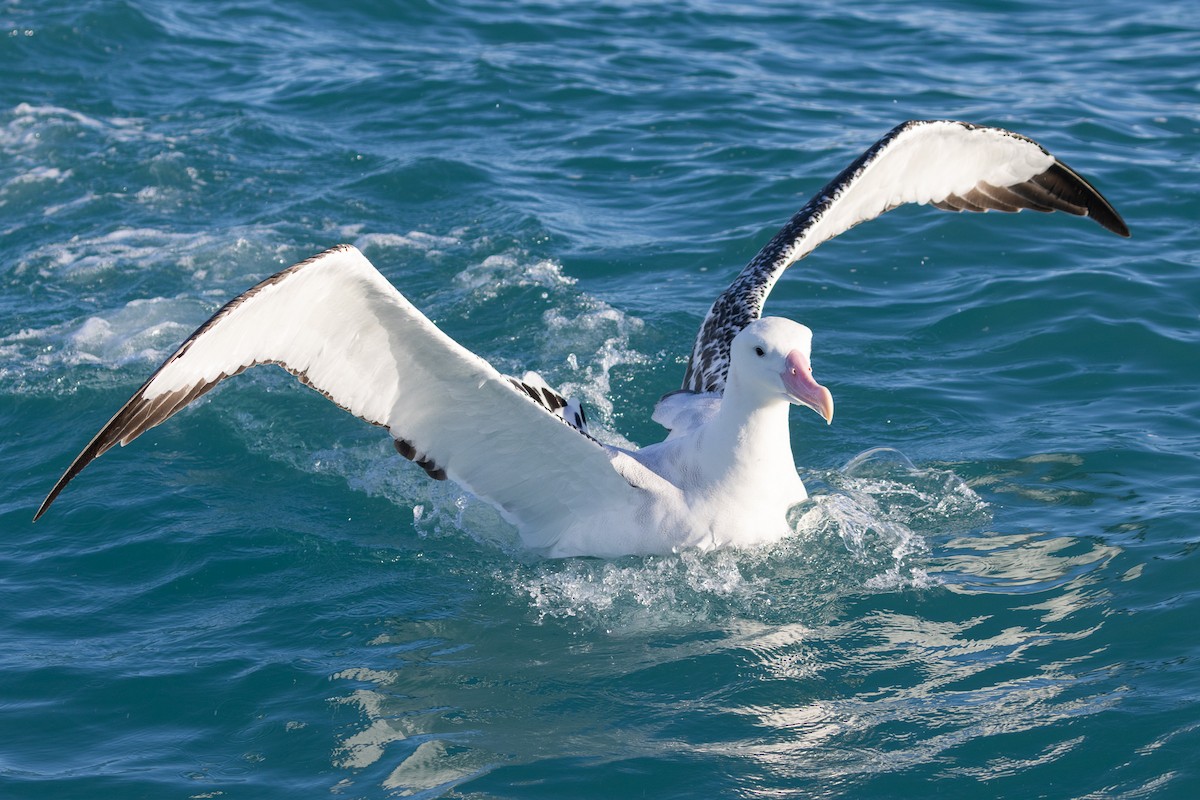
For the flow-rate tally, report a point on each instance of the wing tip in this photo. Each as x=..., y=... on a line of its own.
x=45, y=505
x=1113, y=223
x=82, y=460
x=51, y=497
x=1095, y=205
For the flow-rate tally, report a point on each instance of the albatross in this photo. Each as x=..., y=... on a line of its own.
x=724, y=475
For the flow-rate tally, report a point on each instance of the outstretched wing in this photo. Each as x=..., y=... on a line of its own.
x=951, y=165
x=336, y=323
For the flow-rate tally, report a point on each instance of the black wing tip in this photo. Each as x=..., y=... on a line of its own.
x=132, y=420
x=50, y=498
x=46, y=503
x=1097, y=207
x=1115, y=224
x=82, y=460
x=1111, y=221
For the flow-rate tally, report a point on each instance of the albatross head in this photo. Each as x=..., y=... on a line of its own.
x=770, y=357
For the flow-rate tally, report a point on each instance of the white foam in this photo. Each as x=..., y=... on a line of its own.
x=41, y=174
x=506, y=270
x=421, y=241
x=142, y=331
x=88, y=256
x=207, y=269
x=27, y=123
x=57, y=208
x=597, y=335
x=30, y=187
x=215, y=264
x=633, y=592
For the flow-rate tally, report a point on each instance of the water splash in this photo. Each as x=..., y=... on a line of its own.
x=597, y=328
x=633, y=593
x=867, y=531
x=497, y=272
x=883, y=509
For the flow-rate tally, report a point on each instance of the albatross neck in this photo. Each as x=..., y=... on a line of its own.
x=750, y=432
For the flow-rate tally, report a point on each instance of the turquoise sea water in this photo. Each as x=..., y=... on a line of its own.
x=261, y=600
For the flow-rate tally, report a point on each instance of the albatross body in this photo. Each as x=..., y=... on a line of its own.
x=724, y=476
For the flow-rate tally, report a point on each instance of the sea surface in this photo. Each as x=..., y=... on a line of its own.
x=994, y=591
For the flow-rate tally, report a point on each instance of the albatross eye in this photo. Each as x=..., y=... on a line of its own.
x=758, y=351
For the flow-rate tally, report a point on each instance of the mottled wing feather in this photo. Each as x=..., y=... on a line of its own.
x=568, y=409
x=336, y=324
x=950, y=165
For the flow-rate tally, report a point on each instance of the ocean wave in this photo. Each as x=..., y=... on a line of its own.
x=31, y=127
x=201, y=271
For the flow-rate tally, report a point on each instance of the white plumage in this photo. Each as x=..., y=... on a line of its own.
x=725, y=475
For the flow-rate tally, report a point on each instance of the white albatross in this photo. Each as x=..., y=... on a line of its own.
x=725, y=476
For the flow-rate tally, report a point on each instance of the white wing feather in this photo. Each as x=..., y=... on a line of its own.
x=337, y=324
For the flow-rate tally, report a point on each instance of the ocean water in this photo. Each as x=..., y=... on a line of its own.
x=995, y=591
